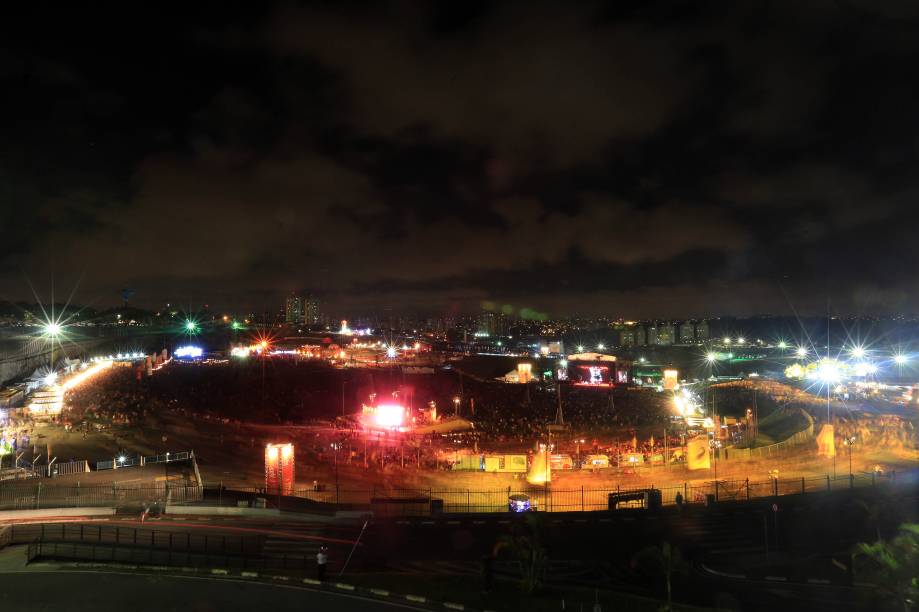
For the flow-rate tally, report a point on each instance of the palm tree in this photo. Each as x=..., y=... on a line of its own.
x=664, y=560
x=891, y=566
x=523, y=544
x=872, y=513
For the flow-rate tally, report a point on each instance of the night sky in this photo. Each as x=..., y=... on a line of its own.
x=627, y=158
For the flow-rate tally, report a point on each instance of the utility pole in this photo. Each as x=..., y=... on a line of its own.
x=559, y=415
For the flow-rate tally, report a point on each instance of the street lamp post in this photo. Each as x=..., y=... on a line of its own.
x=849, y=442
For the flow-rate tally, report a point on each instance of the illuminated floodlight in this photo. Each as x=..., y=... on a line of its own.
x=711, y=357
x=236, y=325
x=680, y=404
x=783, y=344
x=900, y=359
x=191, y=326
x=727, y=340
x=801, y=351
x=828, y=371
x=642, y=359
x=600, y=347
x=580, y=348
x=563, y=363
x=189, y=352
x=52, y=329
x=122, y=459
x=741, y=340
x=391, y=352
x=50, y=377
x=389, y=416
x=857, y=352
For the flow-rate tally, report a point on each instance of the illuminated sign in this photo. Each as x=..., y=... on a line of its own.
x=670, y=380
x=279, y=468
x=189, y=352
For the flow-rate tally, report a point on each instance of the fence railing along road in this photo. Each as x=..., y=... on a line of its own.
x=419, y=501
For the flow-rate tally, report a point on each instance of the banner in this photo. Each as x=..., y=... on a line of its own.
x=826, y=445
x=697, y=451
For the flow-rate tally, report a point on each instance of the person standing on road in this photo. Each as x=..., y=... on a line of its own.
x=322, y=559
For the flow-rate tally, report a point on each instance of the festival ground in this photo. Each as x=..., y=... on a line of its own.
x=233, y=455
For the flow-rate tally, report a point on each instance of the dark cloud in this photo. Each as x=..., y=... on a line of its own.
x=638, y=158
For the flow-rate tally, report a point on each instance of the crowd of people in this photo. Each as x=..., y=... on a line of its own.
x=879, y=431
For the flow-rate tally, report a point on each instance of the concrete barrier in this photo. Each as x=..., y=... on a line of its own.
x=20, y=515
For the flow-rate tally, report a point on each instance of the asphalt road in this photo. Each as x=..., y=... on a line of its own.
x=116, y=592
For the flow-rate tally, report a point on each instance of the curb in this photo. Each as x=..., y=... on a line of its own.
x=311, y=583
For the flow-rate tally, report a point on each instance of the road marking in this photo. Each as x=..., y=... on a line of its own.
x=454, y=606
x=380, y=592
x=219, y=572
x=478, y=522
x=777, y=578
x=228, y=579
x=818, y=581
x=312, y=581
x=342, y=585
x=417, y=598
x=280, y=577
x=249, y=574
x=453, y=522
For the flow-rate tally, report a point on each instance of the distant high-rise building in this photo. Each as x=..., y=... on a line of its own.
x=627, y=338
x=311, y=314
x=293, y=309
x=666, y=334
x=652, y=334
x=687, y=332
x=702, y=332
x=485, y=324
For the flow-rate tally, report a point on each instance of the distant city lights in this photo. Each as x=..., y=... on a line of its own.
x=801, y=351
x=391, y=352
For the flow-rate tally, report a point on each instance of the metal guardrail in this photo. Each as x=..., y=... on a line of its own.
x=132, y=461
x=20, y=496
x=106, y=553
x=115, y=535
